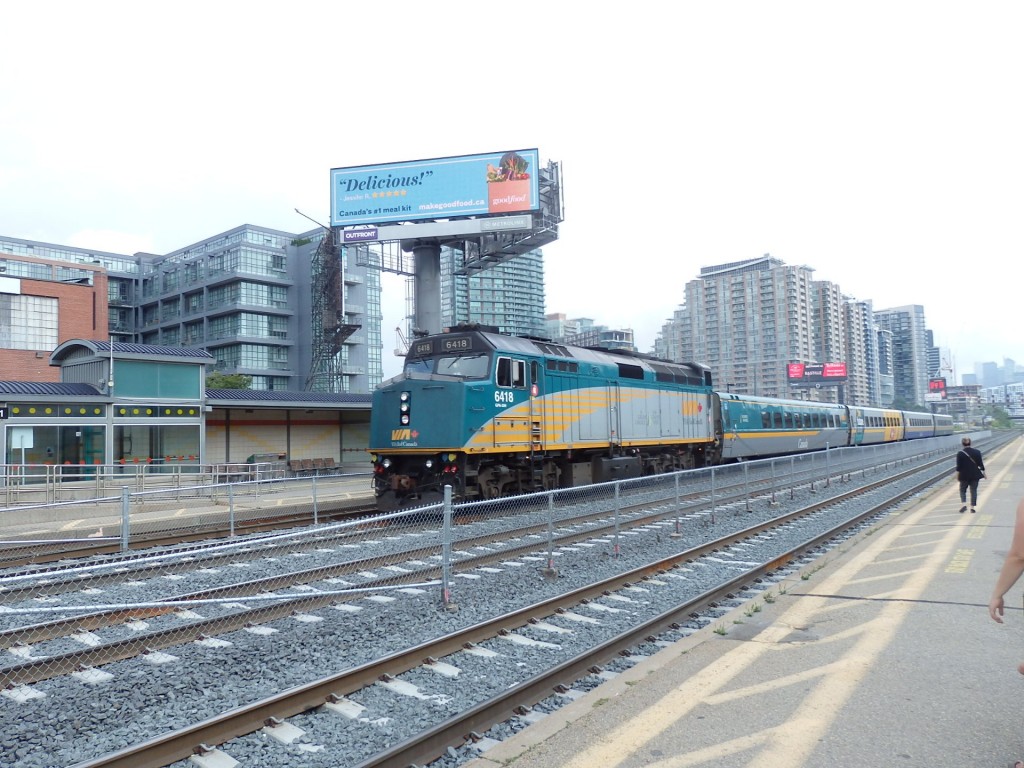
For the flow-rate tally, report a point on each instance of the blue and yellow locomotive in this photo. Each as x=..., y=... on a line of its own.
x=493, y=415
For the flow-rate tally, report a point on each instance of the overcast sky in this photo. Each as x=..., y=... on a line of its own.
x=880, y=143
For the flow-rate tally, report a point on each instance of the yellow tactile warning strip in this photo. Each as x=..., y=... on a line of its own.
x=881, y=578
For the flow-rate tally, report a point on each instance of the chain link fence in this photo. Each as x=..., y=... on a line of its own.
x=74, y=617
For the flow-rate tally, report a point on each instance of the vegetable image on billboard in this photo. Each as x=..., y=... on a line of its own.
x=508, y=185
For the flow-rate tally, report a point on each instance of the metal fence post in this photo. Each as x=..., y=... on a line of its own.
x=316, y=510
x=679, y=523
x=712, y=495
x=772, y=462
x=616, y=549
x=126, y=504
x=446, y=550
x=746, y=483
x=828, y=467
x=231, y=509
x=550, y=571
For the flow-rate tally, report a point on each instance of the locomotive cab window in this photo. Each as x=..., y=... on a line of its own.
x=464, y=366
x=511, y=373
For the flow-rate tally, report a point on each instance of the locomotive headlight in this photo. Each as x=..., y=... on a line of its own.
x=404, y=408
x=428, y=463
x=386, y=463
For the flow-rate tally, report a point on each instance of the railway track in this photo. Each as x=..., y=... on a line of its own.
x=336, y=693
x=16, y=554
x=519, y=542
x=593, y=543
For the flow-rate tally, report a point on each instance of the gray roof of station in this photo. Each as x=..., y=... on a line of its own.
x=47, y=389
x=123, y=349
x=242, y=398
x=151, y=349
x=283, y=397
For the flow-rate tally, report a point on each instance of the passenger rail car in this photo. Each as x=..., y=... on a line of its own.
x=752, y=427
x=758, y=427
x=494, y=415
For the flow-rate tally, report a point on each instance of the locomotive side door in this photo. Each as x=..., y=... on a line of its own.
x=614, y=413
x=537, y=420
x=512, y=404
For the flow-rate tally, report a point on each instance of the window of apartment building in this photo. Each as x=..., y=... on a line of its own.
x=249, y=293
x=252, y=356
x=194, y=303
x=119, y=319
x=194, y=272
x=225, y=325
x=251, y=324
x=170, y=309
x=28, y=322
x=269, y=382
x=193, y=333
x=267, y=295
x=255, y=261
x=118, y=291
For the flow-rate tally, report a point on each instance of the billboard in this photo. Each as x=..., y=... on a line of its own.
x=815, y=374
x=442, y=188
x=936, y=390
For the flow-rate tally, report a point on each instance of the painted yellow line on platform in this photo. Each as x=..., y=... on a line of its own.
x=792, y=742
x=961, y=561
x=979, y=526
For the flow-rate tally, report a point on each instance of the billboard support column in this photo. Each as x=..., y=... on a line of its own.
x=427, y=255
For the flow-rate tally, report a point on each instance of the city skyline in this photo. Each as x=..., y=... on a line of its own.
x=715, y=134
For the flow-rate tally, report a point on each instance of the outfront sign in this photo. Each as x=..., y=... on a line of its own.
x=445, y=187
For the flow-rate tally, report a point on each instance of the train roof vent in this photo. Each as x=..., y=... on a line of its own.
x=556, y=350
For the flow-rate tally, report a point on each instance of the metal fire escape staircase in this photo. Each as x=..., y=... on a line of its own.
x=329, y=326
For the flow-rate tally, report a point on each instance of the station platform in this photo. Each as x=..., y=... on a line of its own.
x=881, y=653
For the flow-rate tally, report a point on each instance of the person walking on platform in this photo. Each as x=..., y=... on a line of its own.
x=969, y=470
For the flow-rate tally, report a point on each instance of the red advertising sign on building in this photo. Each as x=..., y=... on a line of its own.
x=811, y=374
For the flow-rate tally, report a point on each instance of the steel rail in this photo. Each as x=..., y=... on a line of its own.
x=168, y=748
x=55, y=666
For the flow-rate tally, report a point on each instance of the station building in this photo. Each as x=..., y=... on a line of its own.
x=118, y=403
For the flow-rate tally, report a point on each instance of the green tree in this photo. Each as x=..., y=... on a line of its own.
x=228, y=381
x=998, y=417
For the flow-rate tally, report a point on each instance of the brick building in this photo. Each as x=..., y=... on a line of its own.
x=44, y=303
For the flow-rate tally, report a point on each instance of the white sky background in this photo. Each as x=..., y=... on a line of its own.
x=880, y=143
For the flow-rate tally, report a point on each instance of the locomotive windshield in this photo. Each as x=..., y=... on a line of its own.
x=462, y=366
